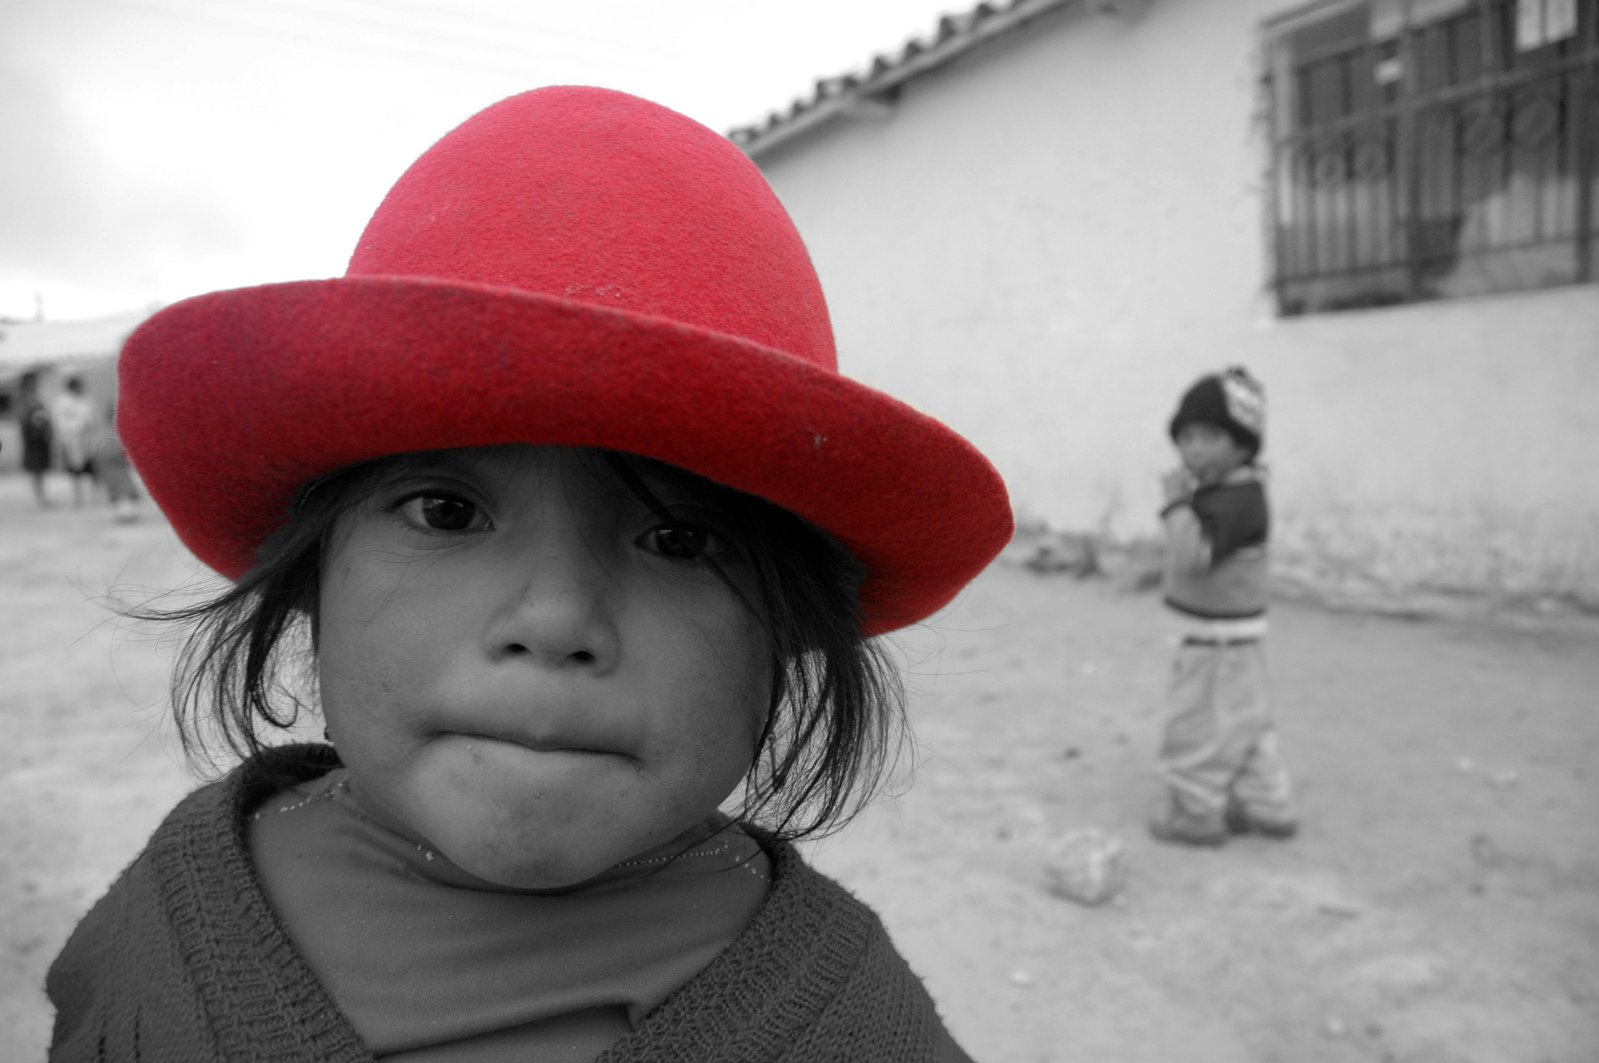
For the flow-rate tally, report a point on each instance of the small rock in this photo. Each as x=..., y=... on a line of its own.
x=1334, y=1028
x=1400, y=977
x=1021, y=978
x=1074, y=555
x=1485, y=852
x=1085, y=866
x=1027, y=817
x=1140, y=937
x=1504, y=778
x=1338, y=910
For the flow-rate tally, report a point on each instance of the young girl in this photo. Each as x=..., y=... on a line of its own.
x=560, y=505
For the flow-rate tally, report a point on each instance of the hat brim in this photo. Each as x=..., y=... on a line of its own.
x=230, y=402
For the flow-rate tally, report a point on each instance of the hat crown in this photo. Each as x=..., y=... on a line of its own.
x=1231, y=399
x=1245, y=399
x=601, y=198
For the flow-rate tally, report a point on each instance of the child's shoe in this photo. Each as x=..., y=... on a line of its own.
x=1176, y=824
x=1240, y=820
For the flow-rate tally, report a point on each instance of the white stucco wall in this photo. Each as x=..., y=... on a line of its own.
x=1052, y=236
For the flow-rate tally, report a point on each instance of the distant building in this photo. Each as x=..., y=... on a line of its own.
x=1043, y=219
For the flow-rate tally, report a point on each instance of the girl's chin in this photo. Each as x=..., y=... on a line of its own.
x=537, y=878
x=550, y=863
x=541, y=866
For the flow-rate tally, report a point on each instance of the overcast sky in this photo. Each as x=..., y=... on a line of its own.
x=154, y=149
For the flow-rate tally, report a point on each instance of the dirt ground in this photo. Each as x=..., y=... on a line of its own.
x=1440, y=906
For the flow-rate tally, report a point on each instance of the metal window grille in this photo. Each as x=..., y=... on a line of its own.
x=1427, y=149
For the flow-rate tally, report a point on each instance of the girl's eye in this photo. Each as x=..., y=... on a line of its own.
x=682, y=542
x=442, y=513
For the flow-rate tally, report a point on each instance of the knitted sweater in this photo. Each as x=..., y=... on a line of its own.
x=184, y=960
x=1216, y=553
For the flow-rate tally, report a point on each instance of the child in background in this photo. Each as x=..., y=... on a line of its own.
x=116, y=475
x=560, y=500
x=38, y=435
x=73, y=416
x=1219, y=755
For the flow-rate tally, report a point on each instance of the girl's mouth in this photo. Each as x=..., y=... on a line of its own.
x=542, y=743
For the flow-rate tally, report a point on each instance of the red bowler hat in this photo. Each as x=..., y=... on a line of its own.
x=570, y=266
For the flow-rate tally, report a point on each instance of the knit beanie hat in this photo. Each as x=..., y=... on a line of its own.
x=1232, y=400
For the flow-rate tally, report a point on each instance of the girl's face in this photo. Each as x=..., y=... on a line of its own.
x=526, y=669
x=1209, y=451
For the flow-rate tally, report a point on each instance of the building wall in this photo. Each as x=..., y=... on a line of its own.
x=1050, y=237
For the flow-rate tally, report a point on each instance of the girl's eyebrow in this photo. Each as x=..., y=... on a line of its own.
x=432, y=463
x=674, y=485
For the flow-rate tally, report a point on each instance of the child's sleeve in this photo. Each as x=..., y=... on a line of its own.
x=1231, y=519
x=1187, y=547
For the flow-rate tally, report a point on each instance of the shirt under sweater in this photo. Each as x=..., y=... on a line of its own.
x=427, y=961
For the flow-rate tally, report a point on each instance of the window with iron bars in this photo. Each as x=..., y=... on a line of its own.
x=1427, y=149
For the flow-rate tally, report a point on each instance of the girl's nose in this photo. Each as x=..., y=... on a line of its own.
x=558, y=611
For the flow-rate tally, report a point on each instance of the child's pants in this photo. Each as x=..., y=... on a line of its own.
x=1220, y=740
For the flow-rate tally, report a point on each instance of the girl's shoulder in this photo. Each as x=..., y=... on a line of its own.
x=173, y=959
x=820, y=969
x=202, y=839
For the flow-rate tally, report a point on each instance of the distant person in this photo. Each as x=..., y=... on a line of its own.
x=116, y=475
x=73, y=415
x=38, y=435
x=560, y=505
x=1218, y=755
